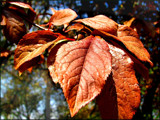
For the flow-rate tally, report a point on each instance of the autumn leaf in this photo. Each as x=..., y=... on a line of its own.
x=14, y=27
x=51, y=60
x=114, y=40
x=76, y=26
x=21, y=8
x=121, y=94
x=61, y=17
x=81, y=68
x=28, y=65
x=78, y=31
x=131, y=40
x=138, y=25
x=31, y=46
x=100, y=22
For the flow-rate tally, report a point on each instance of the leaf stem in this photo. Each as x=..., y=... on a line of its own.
x=36, y=25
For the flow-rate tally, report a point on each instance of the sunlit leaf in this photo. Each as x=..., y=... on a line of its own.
x=138, y=25
x=121, y=94
x=61, y=17
x=131, y=40
x=138, y=65
x=100, y=22
x=81, y=68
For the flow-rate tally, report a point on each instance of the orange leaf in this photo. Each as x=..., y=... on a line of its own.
x=138, y=25
x=31, y=46
x=61, y=17
x=51, y=60
x=131, y=40
x=100, y=22
x=139, y=67
x=14, y=27
x=81, y=68
x=121, y=94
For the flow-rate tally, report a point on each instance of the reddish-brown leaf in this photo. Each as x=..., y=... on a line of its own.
x=138, y=25
x=139, y=67
x=121, y=94
x=100, y=22
x=131, y=40
x=14, y=27
x=20, y=7
x=81, y=68
x=28, y=65
x=51, y=60
x=31, y=46
x=61, y=17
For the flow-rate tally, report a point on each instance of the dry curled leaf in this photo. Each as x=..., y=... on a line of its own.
x=100, y=22
x=61, y=17
x=81, y=68
x=14, y=27
x=121, y=94
x=31, y=46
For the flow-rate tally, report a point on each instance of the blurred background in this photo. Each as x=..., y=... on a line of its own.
x=35, y=96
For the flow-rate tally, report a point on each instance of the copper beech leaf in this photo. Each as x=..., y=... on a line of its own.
x=131, y=40
x=61, y=17
x=121, y=94
x=100, y=22
x=14, y=27
x=81, y=68
x=31, y=46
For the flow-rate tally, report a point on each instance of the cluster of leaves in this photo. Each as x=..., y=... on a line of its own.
x=90, y=58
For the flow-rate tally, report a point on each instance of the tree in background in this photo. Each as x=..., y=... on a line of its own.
x=142, y=16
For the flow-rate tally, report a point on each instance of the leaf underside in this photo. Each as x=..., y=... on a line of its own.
x=81, y=68
x=30, y=47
